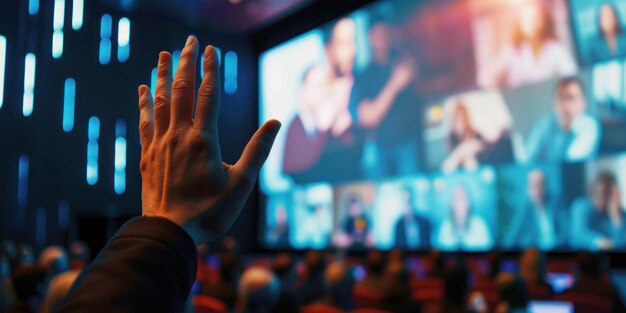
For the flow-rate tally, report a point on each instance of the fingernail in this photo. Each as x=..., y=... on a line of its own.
x=190, y=40
x=142, y=90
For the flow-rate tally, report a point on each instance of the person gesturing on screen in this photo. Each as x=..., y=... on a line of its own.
x=188, y=196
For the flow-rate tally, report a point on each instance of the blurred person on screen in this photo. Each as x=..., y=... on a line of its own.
x=315, y=227
x=386, y=108
x=412, y=231
x=463, y=229
x=534, y=54
x=610, y=40
x=570, y=133
x=598, y=221
x=279, y=234
x=355, y=229
x=319, y=143
x=540, y=223
x=467, y=147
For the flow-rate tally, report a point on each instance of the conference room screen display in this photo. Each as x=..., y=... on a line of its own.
x=455, y=125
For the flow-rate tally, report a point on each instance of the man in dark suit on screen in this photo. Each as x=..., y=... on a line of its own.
x=412, y=231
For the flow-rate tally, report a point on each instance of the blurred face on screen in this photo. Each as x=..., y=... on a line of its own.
x=532, y=21
x=608, y=20
x=341, y=49
x=314, y=91
x=406, y=201
x=601, y=195
x=570, y=103
x=380, y=40
x=355, y=208
x=460, y=205
x=536, y=187
x=281, y=215
x=460, y=122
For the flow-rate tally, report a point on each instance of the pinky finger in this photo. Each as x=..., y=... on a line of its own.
x=146, y=117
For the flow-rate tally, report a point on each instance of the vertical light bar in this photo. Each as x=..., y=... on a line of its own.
x=153, y=81
x=119, y=178
x=93, y=133
x=175, y=60
x=29, y=84
x=69, y=102
x=22, y=181
x=230, y=72
x=123, y=39
x=77, y=14
x=3, y=56
x=57, y=26
x=33, y=7
x=105, y=39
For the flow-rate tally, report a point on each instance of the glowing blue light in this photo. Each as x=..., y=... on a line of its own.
x=119, y=178
x=59, y=15
x=93, y=133
x=57, y=44
x=3, y=54
x=175, y=60
x=105, y=51
x=77, y=14
x=33, y=7
x=230, y=72
x=105, y=26
x=22, y=180
x=153, y=81
x=69, y=100
x=123, y=39
x=29, y=84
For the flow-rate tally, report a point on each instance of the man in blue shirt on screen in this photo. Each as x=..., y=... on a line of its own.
x=570, y=134
x=383, y=105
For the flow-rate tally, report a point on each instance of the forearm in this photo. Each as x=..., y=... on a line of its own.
x=371, y=112
x=148, y=266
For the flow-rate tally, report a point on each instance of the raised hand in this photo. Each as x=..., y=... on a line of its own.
x=183, y=176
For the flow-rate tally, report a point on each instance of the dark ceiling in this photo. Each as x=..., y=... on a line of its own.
x=240, y=17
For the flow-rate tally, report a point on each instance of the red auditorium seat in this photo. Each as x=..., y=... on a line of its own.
x=586, y=303
x=205, y=304
x=428, y=295
x=319, y=308
x=365, y=297
x=369, y=311
x=427, y=283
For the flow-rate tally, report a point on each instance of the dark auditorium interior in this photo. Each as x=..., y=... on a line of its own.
x=436, y=156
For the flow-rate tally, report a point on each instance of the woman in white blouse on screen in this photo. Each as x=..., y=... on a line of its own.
x=535, y=53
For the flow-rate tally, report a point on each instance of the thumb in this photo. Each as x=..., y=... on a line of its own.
x=258, y=148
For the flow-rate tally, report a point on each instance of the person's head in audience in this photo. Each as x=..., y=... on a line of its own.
x=259, y=290
x=380, y=35
x=229, y=267
x=374, y=263
x=341, y=46
x=532, y=266
x=58, y=288
x=512, y=293
x=435, y=264
x=609, y=22
x=536, y=187
x=534, y=25
x=282, y=266
x=314, y=262
x=494, y=260
x=9, y=249
x=461, y=127
x=80, y=254
x=591, y=265
x=29, y=285
x=339, y=280
x=5, y=267
x=603, y=191
x=54, y=259
x=569, y=101
x=25, y=255
x=456, y=279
